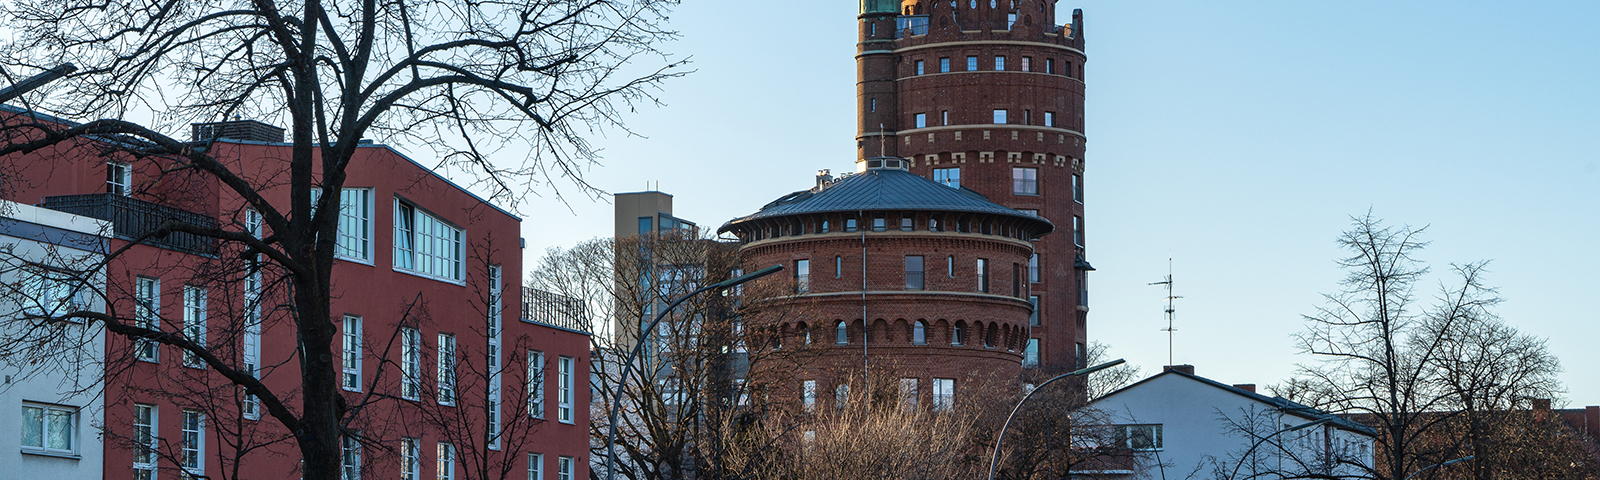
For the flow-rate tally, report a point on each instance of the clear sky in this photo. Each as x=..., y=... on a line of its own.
x=1235, y=137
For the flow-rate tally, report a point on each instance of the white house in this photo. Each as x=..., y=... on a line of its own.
x=1195, y=427
x=50, y=404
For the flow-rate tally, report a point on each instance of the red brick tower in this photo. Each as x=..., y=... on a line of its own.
x=988, y=95
x=938, y=274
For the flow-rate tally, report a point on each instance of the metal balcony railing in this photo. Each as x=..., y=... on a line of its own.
x=910, y=24
x=131, y=218
x=556, y=310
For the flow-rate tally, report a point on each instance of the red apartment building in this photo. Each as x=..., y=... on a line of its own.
x=449, y=373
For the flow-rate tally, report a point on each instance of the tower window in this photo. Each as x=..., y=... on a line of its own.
x=1049, y=119
x=999, y=116
x=1066, y=68
x=907, y=223
x=1077, y=188
x=1024, y=181
x=1027, y=62
x=849, y=224
x=1077, y=231
x=802, y=276
x=950, y=177
x=913, y=272
x=999, y=62
x=872, y=105
x=944, y=117
x=1027, y=117
x=922, y=120
x=972, y=63
x=919, y=67
x=879, y=223
x=944, y=64
x=983, y=275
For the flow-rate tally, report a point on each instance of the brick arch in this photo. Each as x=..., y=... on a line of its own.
x=961, y=332
x=880, y=332
x=927, y=332
x=801, y=332
x=990, y=335
x=939, y=332
x=902, y=329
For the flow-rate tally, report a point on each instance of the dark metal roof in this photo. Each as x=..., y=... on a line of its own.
x=884, y=189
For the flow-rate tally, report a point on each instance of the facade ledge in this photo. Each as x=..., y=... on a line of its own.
x=810, y=237
x=993, y=126
x=989, y=42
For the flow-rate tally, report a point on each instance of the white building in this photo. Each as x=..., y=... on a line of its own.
x=51, y=409
x=1194, y=427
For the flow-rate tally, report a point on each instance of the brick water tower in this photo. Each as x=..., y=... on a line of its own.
x=988, y=95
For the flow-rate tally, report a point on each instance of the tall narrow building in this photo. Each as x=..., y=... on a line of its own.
x=987, y=95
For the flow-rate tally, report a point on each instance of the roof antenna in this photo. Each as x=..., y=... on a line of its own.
x=881, y=146
x=1170, y=310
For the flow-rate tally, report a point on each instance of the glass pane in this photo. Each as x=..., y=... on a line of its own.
x=32, y=427
x=60, y=430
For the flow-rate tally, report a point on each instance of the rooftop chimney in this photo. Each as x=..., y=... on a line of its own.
x=1189, y=369
x=247, y=130
x=1541, y=404
x=823, y=177
x=1248, y=387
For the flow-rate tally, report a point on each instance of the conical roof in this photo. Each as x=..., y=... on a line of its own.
x=881, y=189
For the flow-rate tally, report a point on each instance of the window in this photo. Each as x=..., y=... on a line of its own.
x=194, y=323
x=972, y=63
x=838, y=266
x=950, y=177
x=535, y=384
x=1030, y=356
x=350, y=458
x=802, y=276
x=410, y=363
x=849, y=224
x=1033, y=268
x=119, y=178
x=1049, y=65
x=919, y=67
x=808, y=394
x=983, y=275
x=944, y=117
x=49, y=428
x=192, y=455
x=999, y=116
x=646, y=225
x=1077, y=231
x=944, y=64
x=535, y=466
x=564, y=394
x=426, y=245
x=944, y=394
x=1143, y=438
x=1027, y=117
x=447, y=369
x=824, y=226
x=841, y=333
x=872, y=104
x=950, y=266
x=913, y=272
x=145, y=439
x=1029, y=211
x=959, y=336
x=1024, y=181
x=1083, y=290
x=564, y=468
x=1066, y=68
x=841, y=396
x=908, y=394
x=355, y=224
x=907, y=223
x=999, y=62
x=879, y=223
x=919, y=333
x=1027, y=62
x=1077, y=188
x=446, y=461
x=410, y=459
x=250, y=406
x=1082, y=357
x=147, y=299
x=1033, y=317
x=351, y=380
x=1016, y=280
x=922, y=120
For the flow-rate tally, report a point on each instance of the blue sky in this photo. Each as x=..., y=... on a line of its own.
x=1238, y=138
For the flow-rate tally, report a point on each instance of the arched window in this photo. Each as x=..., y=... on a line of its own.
x=960, y=334
x=841, y=334
x=919, y=333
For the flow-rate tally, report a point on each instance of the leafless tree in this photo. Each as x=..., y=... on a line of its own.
x=470, y=80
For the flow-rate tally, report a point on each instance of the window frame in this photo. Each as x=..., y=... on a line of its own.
x=841, y=333
x=147, y=315
x=944, y=64
x=915, y=271
x=445, y=362
x=802, y=276
x=566, y=393
x=536, y=384
x=535, y=466
x=944, y=394
x=1002, y=116
x=1027, y=63
x=193, y=460
x=919, y=332
x=983, y=275
x=1028, y=184
x=920, y=120
x=349, y=458
x=194, y=322
x=808, y=395
x=1034, y=275
x=150, y=432
x=1034, y=317
x=919, y=70
x=411, y=346
x=972, y=63
x=350, y=353
x=445, y=461
x=361, y=250
x=1030, y=354
x=409, y=231
x=999, y=63
x=48, y=413
x=1125, y=437
x=119, y=178
x=564, y=468
x=949, y=177
x=1077, y=188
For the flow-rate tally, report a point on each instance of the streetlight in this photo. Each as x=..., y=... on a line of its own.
x=1445, y=463
x=644, y=336
x=994, y=459
x=1258, y=443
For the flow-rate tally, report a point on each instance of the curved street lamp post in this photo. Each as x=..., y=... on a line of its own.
x=644, y=336
x=994, y=459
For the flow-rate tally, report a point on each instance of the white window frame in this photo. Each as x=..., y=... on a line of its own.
x=445, y=461
x=354, y=237
x=410, y=459
x=49, y=418
x=350, y=354
x=410, y=363
x=119, y=178
x=802, y=275
x=563, y=468
x=535, y=466
x=536, y=384
x=1124, y=436
x=944, y=394
x=426, y=245
x=147, y=435
x=447, y=369
x=493, y=356
x=193, y=447
x=194, y=323
x=147, y=300
x=565, y=392
x=349, y=458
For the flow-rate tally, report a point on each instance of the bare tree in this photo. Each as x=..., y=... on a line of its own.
x=466, y=79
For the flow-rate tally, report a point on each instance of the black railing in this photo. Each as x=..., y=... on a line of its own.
x=132, y=218
x=556, y=310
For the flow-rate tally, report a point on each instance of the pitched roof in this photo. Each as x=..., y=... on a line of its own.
x=884, y=189
x=1280, y=403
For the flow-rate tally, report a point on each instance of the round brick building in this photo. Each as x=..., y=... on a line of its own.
x=936, y=277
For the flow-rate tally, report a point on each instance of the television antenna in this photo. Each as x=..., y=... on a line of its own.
x=1170, y=297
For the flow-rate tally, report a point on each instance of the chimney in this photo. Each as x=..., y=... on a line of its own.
x=1591, y=421
x=1541, y=404
x=247, y=130
x=1189, y=369
x=823, y=177
x=1248, y=387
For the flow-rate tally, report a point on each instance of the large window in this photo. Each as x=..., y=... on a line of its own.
x=802, y=276
x=564, y=395
x=446, y=461
x=355, y=224
x=563, y=468
x=841, y=333
x=808, y=394
x=913, y=272
x=944, y=394
x=145, y=438
x=147, y=300
x=1144, y=438
x=349, y=458
x=1033, y=317
x=944, y=64
x=919, y=333
x=1030, y=356
x=1024, y=181
x=194, y=323
x=536, y=384
x=950, y=177
x=919, y=67
x=921, y=120
x=447, y=369
x=426, y=245
x=410, y=363
x=192, y=455
x=1033, y=268
x=351, y=353
x=535, y=466
x=983, y=275
x=972, y=63
x=908, y=394
x=999, y=62
x=119, y=178
x=49, y=428
x=410, y=459
x=1000, y=116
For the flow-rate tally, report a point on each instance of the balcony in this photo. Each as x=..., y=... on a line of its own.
x=910, y=24
x=555, y=310
x=131, y=218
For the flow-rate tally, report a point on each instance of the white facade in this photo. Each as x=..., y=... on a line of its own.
x=51, y=410
x=1197, y=428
